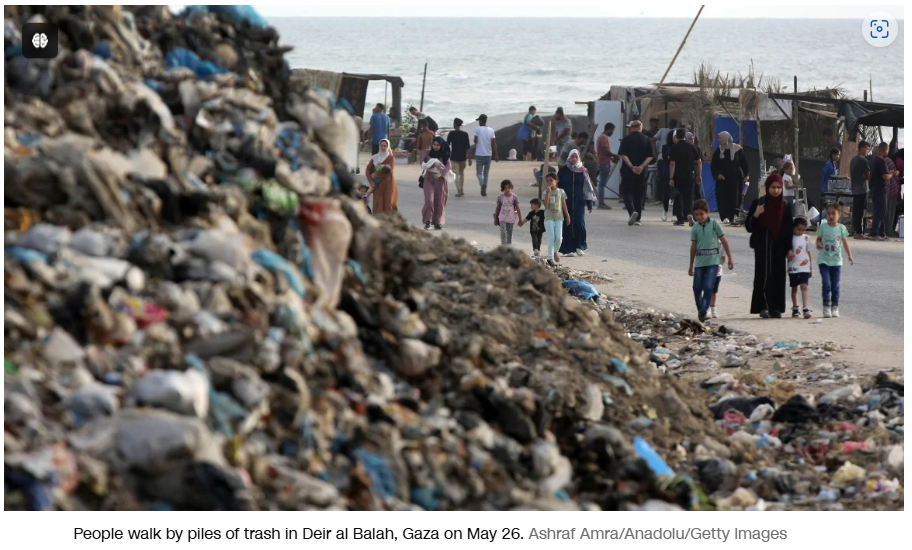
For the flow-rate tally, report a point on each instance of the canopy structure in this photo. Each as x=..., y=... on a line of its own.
x=351, y=87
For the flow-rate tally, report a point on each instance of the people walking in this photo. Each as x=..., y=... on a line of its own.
x=556, y=217
x=536, y=221
x=860, y=173
x=573, y=178
x=730, y=171
x=605, y=158
x=636, y=153
x=707, y=238
x=507, y=212
x=485, y=151
x=684, y=162
x=800, y=267
x=832, y=238
x=769, y=221
x=380, y=174
x=436, y=165
x=458, y=142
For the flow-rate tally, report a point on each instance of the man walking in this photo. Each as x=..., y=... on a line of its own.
x=683, y=161
x=605, y=158
x=636, y=154
x=485, y=150
x=379, y=127
x=458, y=140
x=860, y=173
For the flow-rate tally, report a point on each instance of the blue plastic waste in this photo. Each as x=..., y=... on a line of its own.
x=582, y=289
x=618, y=383
x=26, y=255
x=272, y=261
x=785, y=344
x=182, y=57
x=424, y=497
x=619, y=366
x=645, y=451
x=237, y=14
x=356, y=267
x=377, y=468
x=103, y=50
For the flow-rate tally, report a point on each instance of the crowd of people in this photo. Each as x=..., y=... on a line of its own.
x=783, y=253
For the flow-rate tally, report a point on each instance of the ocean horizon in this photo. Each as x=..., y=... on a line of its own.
x=503, y=65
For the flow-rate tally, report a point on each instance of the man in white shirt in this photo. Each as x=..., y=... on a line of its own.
x=485, y=150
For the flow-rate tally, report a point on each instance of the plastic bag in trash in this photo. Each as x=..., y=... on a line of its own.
x=582, y=289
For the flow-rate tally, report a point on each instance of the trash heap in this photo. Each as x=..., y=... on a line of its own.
x=201, y=315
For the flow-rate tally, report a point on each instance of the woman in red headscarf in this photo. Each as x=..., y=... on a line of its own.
x=769, y=221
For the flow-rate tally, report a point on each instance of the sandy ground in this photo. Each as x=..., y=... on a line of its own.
x=648, y=265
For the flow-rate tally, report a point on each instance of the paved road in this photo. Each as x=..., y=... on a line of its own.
x=872, y=289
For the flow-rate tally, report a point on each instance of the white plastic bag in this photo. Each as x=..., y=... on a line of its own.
x=451, y=177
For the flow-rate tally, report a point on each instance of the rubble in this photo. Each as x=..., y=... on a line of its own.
x=200, y=315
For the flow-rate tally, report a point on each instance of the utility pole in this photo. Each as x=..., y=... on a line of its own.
x=423, y=80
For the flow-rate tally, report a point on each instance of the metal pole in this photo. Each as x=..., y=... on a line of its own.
x=423, y=80
x=681, y=46
x=871, y=95
x=795, y=124
x=541, y=180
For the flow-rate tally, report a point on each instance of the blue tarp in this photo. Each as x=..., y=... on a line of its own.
x=237, y=14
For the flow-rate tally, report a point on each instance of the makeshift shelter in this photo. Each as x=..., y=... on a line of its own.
x=773, y=123
x=351, y=87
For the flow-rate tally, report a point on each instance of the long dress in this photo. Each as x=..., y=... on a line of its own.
x=574, y=185
x=769, y=260
x=436, y=192
x=728, y=191
x=386, y=193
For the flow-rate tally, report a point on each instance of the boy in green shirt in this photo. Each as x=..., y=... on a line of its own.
x=832, y=237
x=705, y=258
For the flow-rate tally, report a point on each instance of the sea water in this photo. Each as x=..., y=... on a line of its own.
x=504, y=65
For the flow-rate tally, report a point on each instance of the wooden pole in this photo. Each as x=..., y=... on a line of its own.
x=423, y=80
x=681, y=46
x=541, y=180
x=871, y=95
x=761, y=190
x=795, y=125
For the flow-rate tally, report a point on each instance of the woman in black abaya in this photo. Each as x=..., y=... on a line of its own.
x=769, y=221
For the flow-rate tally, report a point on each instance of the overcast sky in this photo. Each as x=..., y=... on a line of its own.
x=468, y=8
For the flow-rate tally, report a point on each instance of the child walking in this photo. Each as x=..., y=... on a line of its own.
x=536, y=220
x=832, y=237
x=365, y=193
x=556, y=216
x=705, y=257
x=799, y=266
x=507, y=212
x=712, y=303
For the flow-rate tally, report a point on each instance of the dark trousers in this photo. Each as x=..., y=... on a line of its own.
x=683, y=204
x=879, y=219
x=859, y=203
x=536, y=240
x=634, y=192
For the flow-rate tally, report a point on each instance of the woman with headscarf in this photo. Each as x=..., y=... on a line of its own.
x=380, y=178
x=730, y=171
x=573, y=178
x=436, y=166
x=769, y=221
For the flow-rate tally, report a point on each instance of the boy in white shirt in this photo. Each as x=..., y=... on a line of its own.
x=800, y=267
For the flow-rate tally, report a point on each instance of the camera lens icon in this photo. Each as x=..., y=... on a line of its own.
x=879, y=29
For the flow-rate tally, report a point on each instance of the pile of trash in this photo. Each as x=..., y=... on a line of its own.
x=199, y=314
